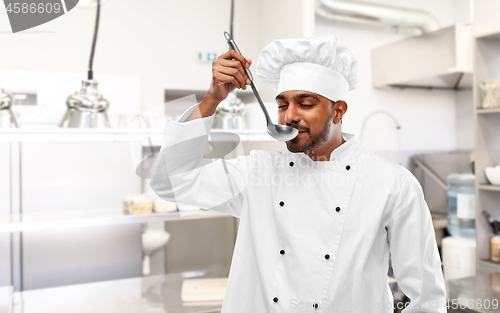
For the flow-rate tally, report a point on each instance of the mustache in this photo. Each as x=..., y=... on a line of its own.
x=300, y=128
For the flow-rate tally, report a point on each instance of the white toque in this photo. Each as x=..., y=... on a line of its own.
x=323, y=65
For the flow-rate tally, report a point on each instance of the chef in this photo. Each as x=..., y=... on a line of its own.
x=318, y=221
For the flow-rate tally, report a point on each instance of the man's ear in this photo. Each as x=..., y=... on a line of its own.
x=340, y=105
x=343, y=106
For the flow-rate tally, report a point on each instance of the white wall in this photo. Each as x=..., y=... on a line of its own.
x=280, y=19
x=156, y=40
x=486, y=13
x=464, y=118
x=427, y=117
x=5, y=210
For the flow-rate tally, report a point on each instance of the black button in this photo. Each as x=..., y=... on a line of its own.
x=347, y=167
x=275, y=299
x=291, y=163
x=327, y=256
x=337, y=209
x=315, y=305
x=282, y=251
x=282, y=203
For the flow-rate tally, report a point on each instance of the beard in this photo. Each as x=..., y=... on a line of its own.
x=308, y=142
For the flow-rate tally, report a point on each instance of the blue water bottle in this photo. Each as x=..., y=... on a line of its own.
x=461, y=206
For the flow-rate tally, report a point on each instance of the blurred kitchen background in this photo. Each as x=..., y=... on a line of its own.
x=74, y=213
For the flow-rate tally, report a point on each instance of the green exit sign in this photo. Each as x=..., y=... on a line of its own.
x=208, y=56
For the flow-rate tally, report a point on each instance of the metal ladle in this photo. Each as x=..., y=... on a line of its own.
x=277, y=131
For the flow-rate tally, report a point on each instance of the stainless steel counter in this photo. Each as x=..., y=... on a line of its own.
x=162, y=294
x=153, y=294
x=473, y=293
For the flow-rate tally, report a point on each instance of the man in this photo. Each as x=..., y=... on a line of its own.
x=318, y=221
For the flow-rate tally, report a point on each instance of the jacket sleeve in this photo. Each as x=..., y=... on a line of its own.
x=415, y=258
x=181, y=174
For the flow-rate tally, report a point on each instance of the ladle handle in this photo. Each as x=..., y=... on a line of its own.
x=233, y=46
x=262, y=106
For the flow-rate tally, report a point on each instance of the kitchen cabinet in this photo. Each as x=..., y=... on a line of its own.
x=61, y=221
x=487, y=146
x=65, y=178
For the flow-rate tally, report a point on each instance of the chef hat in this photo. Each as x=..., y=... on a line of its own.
x=323, y=65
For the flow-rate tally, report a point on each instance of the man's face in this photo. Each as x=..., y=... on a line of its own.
x=310, y=113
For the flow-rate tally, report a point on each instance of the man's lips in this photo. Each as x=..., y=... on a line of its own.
x=300, y=133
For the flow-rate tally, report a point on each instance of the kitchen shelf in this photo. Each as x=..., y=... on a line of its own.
x=490, y=262
x=493, y=34
x=87, y=218
x=489, y=265
x=119, y=135
x=489, y=187
x=486, y=146
x=488, y=111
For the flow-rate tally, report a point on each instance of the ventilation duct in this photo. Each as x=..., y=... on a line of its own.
x=440, y=59
x=369, y=13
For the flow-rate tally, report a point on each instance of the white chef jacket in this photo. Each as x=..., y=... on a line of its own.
x=314, y=236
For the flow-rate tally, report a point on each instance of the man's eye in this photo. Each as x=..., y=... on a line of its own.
x=302, y=105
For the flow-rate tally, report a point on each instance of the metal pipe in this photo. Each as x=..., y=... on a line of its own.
x=431, y=173
x=321, y=11
x=395, y=16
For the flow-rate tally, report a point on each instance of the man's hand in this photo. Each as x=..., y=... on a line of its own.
x=228, y=73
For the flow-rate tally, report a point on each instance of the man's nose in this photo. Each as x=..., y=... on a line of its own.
x=292, y=115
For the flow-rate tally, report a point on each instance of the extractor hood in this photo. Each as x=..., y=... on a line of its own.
x=441, y=59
